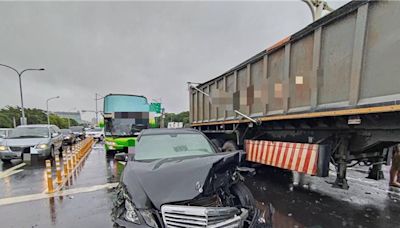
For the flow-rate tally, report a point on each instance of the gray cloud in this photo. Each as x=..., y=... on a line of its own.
x=147, y=48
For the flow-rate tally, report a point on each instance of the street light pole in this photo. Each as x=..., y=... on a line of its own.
x=316, y=7
x=23, y=119
x=47, y=107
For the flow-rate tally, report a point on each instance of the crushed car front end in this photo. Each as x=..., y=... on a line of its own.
x=220, y=199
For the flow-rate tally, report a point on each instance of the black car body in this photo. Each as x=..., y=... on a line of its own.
x=204, y=190
x=69, y=137
x=78, y=131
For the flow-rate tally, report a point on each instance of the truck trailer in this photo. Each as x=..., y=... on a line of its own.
x=328, y=94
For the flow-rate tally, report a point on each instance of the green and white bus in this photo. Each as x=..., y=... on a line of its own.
x=124, y=117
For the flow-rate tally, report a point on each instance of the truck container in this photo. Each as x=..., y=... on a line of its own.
x=329, y=93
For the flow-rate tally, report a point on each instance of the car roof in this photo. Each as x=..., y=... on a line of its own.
x=35, y=125
x=160, y=131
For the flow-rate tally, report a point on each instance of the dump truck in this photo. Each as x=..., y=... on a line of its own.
x=328, y=94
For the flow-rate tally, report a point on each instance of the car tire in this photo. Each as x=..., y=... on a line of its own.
x=6, y=160
x=52, y=154
x=243, y=195
x=229, y=146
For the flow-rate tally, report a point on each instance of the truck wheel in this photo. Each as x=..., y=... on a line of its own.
x=230, y=146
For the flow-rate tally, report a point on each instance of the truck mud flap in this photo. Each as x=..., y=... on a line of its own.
x=312, y=159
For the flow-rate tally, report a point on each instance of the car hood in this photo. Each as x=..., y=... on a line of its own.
x=172, y=180
x=24, y=141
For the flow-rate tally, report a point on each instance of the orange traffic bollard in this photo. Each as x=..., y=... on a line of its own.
x=65, y=165
x=69, y=163
x=50, y=188
x=58, y=170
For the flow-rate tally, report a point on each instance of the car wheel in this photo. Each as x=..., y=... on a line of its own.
x=52, y=154
x=243, y=195
x=6, y=160
x=230, y=146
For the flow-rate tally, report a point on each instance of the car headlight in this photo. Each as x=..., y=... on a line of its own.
x=4, y=148
x=66, y=137
x=149, y=218
x=42, y=146
x=111, y=143
x=130, y=213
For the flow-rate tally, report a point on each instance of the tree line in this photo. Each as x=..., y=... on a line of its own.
x=9, y=114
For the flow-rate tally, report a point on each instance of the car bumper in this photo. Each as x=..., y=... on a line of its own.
x=126, y=224
x=116, y=147
x=18, y=154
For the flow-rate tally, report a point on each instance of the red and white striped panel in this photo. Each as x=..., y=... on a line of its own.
x=300, y=157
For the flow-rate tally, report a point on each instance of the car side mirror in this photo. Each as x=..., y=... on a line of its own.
x=55, y=134
x=121, y=157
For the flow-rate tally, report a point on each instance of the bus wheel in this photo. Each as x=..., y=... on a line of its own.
x=230, y=146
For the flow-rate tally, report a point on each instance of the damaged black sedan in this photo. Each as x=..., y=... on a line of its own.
x=178, y=178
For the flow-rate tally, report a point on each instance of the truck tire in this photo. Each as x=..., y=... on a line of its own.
x=229, y=146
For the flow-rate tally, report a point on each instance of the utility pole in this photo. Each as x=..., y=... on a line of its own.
x=23, y=119
x=97, y=117
x=96, y=98
x=317, y=7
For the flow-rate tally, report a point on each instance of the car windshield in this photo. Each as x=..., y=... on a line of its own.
x=29, y=132
x=151, y=147
x=97, y=129
x=76, y=129
x=66, y=131
x=3, y=133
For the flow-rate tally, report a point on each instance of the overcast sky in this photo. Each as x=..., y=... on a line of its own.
x=145, y=48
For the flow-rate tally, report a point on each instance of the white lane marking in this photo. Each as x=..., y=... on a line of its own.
x=11, y=173
x=38, y=196
x=4, y=173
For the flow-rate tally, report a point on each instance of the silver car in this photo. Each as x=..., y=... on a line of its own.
x=4, y=133
x=42, y=140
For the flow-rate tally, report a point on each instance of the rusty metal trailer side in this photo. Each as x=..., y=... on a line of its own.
x=335, y=83
x=346, y=60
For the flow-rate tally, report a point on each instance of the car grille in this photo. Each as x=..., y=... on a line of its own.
x=175, y=216
x=16, y=148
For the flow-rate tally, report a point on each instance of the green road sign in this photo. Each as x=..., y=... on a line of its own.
x=155, y=107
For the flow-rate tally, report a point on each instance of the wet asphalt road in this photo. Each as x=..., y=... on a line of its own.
x=367, y=203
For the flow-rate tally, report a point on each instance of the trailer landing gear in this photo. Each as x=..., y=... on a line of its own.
x=341, y=181
x=376, y=172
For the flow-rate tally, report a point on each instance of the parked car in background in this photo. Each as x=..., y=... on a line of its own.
x=78, y=131
x=4, y=132
x=156, y=191
x=68, y=137
x=96, y=133
x=42, y=140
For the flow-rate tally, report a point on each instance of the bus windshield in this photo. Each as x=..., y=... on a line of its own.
x=123, y=127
